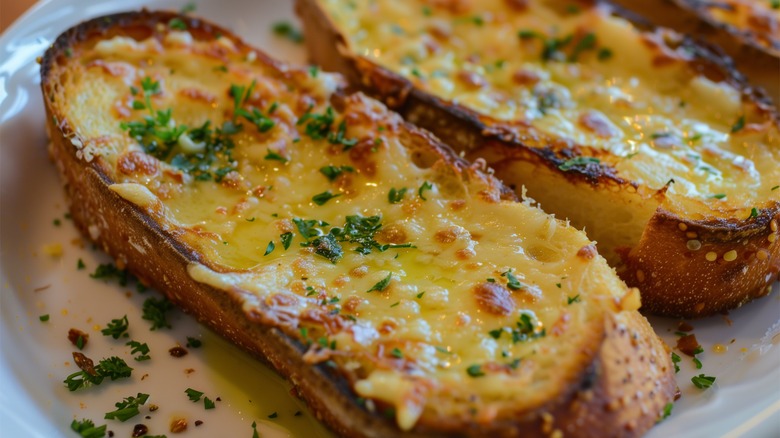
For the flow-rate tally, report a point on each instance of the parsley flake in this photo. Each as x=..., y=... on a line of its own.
x=113, y=367
x=475, y=371
x=116, y=328
x=397, y=353
x=87, y=429
x=425, y=186
x=286, y=239
x=702, y=381
x=177, y=23
x=193, y=342
x=753, y=213
x=270, y=248
x=512, y=281
x=193, y=395
x=322, y=198
x=396, y=195
x=738, y=125
x=271, y=155
x=285, y=29
x=333, y=172
x=138, y=348
x=578, y=162
x=128, y=408
x=155, y=310
x=676, y=360
x=43, y=318
x=574, y=299
x=381, y=285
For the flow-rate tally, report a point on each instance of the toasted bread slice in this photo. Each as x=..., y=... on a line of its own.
x=642, y=139
x=401, y=290
x=748, y=31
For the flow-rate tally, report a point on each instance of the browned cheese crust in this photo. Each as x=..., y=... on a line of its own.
x=626, y=378
x=690, y=262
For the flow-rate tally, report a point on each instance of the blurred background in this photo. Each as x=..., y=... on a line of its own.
x=10, y=10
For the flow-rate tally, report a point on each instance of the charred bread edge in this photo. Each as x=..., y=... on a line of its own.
x=681, y=285
x=591, y=400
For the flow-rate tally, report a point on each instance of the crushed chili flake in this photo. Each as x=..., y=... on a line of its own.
x=198, y=423
x=178, y=351
x=140, y=430
x=84, y=363
x=684, y=326
x=78, y=338
x=688, y=345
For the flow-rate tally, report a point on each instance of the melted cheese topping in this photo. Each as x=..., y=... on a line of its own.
x=493, y=305
x=582, y=75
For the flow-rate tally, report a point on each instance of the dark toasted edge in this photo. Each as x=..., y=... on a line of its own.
x=164, y=262
x=688, y=17
x=677, y=286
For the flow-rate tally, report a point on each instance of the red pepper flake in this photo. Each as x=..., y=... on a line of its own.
x=688, y=345
x=684, y=326
x=84, y=363
x=78, y=338
x=178, y=351
x=140, y=430
x=198, y=423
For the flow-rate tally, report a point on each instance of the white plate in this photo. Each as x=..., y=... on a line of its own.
x=35, y=356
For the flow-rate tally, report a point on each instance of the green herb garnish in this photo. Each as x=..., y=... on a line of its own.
x=155, y=310
x=396, y=195
x=322, y=198
x=113, y=367
x=381, y=285
x=578, y=162
x=287, y=30
x=702, y=382
x=138, y=348
x=127, y=408
x=116, y=328
x=87, y=429
x=475, y=371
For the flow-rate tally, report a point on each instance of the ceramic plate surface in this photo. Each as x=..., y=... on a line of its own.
x=741, y=349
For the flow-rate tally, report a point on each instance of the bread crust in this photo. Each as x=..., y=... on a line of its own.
x=621, y=391
x=759, y=61
x=675, y=279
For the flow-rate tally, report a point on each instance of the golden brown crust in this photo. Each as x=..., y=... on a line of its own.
x=675, y=280
x=121, y=227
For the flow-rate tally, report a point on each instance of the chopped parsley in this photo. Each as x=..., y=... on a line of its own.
x=676, y=360
x=56, y=222
x=194, y=342
x=318, y=127
x=604, y=54
x=254, y=430
x=177, y=23
x=333, y=172
x=208, y=403
x=717, y=196
x=271, y=155
x=572, y=300
x=425, y=186
x=359, y=230
x=420, y=295
x=273, y=415
x=138, y=348
x=113, y=367
x=475, y=371
x=382, y=284
x=578, y=162
x=527, y=328
x=512, y=281
x=116, y=328
x=80, y=264
x=322, y=198
x=285, y=29
x=738, y=125
x=314, y=71
x=193, y=394
x=397, y=353
x=753, y=213
x=270, y=248
x=43, y=318
x=587, y=42
x=87, y=429
x=109, y=271
x=396, y=195
x=286, y=239
x=775, y=188
x=128, y=408
x=697, y=362
x=261, y=121
x=155, y=310
x=702, y=381
x=667, y=410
